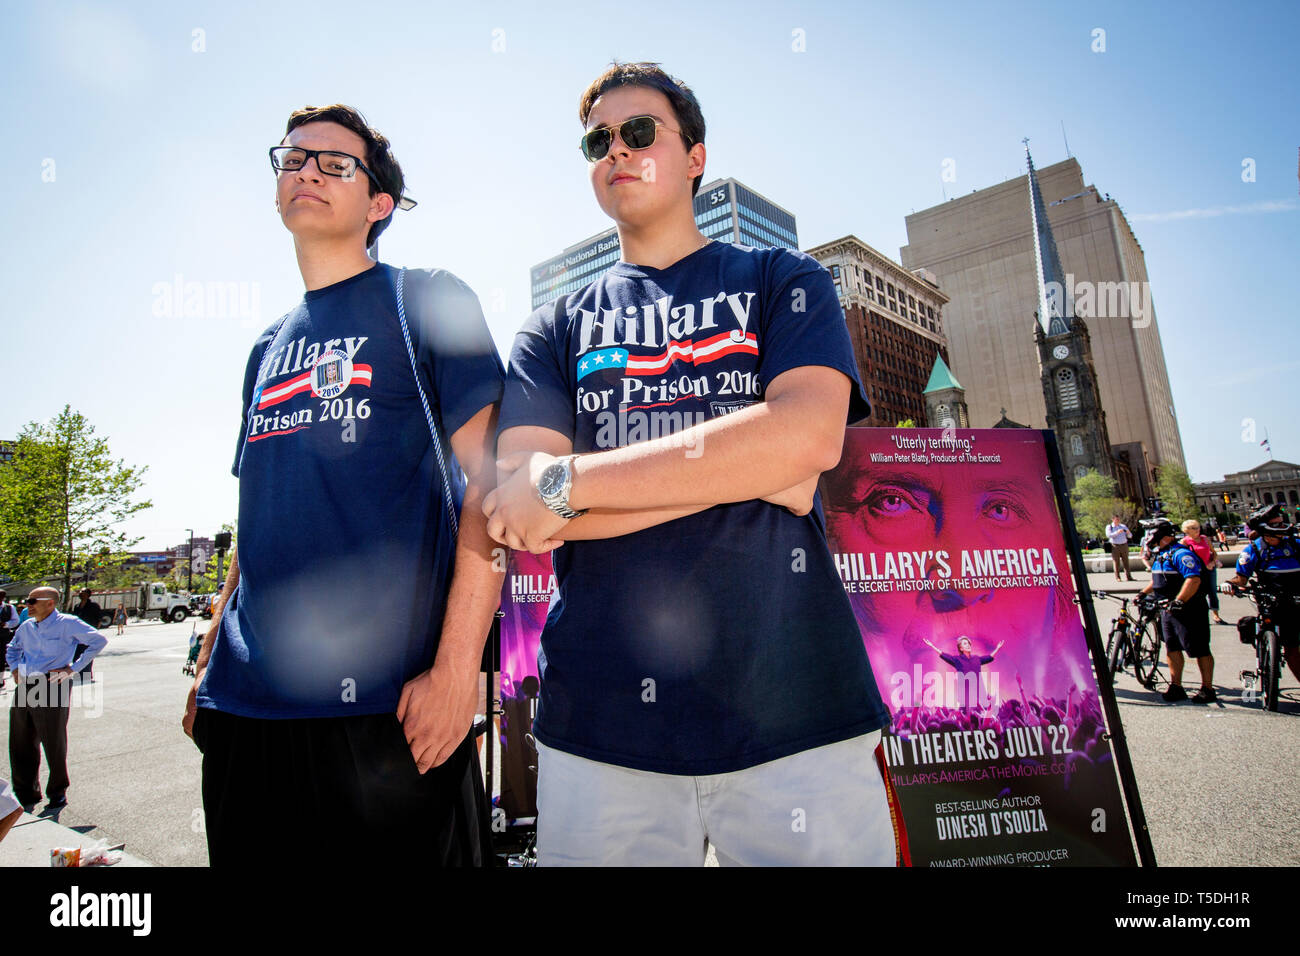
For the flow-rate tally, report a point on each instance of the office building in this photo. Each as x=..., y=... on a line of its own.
x=896, y=323
x=1273, y=482
x=982, y=249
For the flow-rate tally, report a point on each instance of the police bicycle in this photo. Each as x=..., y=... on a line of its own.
x=1134, y=640
x=1272, y=602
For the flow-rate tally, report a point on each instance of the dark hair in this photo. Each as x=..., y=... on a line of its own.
x=379, y=157
x=649, y=75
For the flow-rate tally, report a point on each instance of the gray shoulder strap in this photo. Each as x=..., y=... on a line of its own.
x=424, y=400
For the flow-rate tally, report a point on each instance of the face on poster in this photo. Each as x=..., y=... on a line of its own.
x=951, y=550
x=953, y=538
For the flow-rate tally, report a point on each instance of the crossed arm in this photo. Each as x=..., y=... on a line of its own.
x=773, y=450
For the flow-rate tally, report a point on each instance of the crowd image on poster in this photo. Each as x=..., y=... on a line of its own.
x=952, y=552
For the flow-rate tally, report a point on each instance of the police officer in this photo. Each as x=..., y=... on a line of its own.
x=1185, y=625
x=1274, y=557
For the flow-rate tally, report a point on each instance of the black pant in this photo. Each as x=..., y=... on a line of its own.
x=336, y=788
x=39, y=719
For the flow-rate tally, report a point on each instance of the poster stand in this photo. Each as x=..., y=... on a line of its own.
x=491, y=704
x=513, y=843
x=1106, y=690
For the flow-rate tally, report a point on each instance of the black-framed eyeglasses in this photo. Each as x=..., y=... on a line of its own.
x=637, y=132
x=330, y=162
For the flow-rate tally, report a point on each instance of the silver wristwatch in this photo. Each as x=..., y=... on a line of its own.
x=554, y=486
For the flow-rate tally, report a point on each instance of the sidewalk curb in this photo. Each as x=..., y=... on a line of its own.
x=32, y=837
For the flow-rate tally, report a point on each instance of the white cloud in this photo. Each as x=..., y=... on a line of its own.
x=1267, y=205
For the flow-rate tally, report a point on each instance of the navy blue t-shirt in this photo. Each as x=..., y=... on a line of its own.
x=723, y=639
x=345, y=545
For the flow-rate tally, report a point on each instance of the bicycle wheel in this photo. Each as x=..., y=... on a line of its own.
x=1148, y=655
x=1118, y=639
x=1272, y=668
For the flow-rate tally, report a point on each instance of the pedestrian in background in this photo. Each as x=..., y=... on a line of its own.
x=1204, y=549
x=87, y=609
x=91, y=613
x=119, y=618
x=1119, y=536
x=42, y=656
x=9, y=621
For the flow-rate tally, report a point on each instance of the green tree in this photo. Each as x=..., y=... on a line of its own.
x=1177, y=497
x=906, y=423
x=1093, y=500
x=61, y=499
x=115, y=573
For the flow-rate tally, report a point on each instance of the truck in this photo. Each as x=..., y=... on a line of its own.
x=143, y=601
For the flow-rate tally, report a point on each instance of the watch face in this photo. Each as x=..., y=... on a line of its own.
x=552, y=480
x=1061, y=352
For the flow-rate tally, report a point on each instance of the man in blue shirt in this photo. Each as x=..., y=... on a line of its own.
x=43, y=657
x=1118, y=535
x=703, y=679
x=341, y=671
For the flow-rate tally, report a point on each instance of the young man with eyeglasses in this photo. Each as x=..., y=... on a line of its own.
x=703, y=677
x=336, y=690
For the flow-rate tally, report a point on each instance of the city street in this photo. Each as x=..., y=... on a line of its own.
x=134, y=773
x=1216, y=781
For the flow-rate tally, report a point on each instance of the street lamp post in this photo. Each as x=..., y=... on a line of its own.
x=189, y=584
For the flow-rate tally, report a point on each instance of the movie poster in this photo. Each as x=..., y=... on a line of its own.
x=952, y=552
x=525, y=599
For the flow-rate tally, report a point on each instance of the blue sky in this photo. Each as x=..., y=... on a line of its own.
x=134, y=157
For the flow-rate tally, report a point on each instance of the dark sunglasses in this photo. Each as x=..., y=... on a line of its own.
x=637, y=132
x=32, y=600
x=330, y=162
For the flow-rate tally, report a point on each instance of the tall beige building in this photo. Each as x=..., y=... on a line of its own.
x=981, y=248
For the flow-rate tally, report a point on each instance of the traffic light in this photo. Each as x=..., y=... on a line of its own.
x=222, y=540
x=1225, y=498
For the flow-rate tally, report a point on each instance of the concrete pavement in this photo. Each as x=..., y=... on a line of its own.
x=1216, y=781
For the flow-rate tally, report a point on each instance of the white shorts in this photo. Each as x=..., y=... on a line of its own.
x=821, y=807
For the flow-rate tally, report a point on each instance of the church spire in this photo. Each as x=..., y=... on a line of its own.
x=1052, y=310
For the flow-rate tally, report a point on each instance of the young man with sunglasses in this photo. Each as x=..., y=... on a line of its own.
x=703, y=677
x=337, y=687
